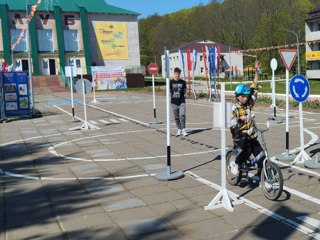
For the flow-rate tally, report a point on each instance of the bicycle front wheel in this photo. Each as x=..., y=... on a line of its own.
x=272, y=181
x=232, y=179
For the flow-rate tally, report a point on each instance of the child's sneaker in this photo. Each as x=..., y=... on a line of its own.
x=178, y=133
x=184, y=133
x=257, y=176
x=234, y=168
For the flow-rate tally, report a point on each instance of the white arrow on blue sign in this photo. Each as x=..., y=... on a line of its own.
x=299, y=88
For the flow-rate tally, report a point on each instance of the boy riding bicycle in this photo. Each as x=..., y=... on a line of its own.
x=242, y=127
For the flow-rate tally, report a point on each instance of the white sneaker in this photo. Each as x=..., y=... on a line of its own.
x=184, y=133
x=178, y=133
x=234, y=168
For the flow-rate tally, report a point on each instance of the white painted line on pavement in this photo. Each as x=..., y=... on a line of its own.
x=104, y=121
x=73, y=178
x=302, y=195
x=123, y=120
x=119, y=115
x=261, y=209
x=311, y=221
x=114, y=120
x=27, y=139
x=93, y=122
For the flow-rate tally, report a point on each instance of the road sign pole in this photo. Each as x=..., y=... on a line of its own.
x=274, y=65
x=302, y=156
x=288, y=56
x=286, y=156
x=153, y=69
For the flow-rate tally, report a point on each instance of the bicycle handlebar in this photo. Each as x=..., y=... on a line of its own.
x=262, y=130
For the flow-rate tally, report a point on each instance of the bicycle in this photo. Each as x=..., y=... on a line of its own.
x=271, y=175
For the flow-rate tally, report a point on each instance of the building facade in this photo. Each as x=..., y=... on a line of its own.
x=67, y=32
x=312, y=31
x=231, y=62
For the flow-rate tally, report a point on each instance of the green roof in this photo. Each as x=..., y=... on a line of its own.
x=92, y=6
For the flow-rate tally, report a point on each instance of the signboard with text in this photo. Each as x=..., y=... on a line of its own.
x=108, y=77
x=15, y=94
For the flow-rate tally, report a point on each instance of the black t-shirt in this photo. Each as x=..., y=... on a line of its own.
x=177, y=89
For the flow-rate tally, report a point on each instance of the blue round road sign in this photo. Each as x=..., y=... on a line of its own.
x=299, y=88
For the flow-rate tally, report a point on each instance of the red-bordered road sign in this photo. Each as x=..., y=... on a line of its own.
x=288, y=56
x=153, y=68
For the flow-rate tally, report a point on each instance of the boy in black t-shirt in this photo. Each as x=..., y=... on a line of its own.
x=178, y=91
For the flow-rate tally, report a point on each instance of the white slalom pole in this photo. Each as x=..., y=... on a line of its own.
x=71, y=92
x=84, y=101
x=302, y=156
x=94, y=92
x=169, y=174
x=168, y=126
x=222, y=199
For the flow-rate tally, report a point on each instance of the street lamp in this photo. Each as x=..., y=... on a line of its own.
x=29, y=61
x=297, y=48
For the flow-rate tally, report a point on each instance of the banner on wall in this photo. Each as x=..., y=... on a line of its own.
x=313, y=55
x=108, y=77
x=112, y=40
x=15, y=94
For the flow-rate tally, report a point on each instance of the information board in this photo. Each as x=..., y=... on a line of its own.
x=108, y=77
x=15, y=94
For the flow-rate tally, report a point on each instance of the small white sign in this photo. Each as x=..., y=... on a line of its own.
x=70, y=71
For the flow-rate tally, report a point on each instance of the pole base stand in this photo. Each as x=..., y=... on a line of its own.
x=286, y=157
x=313, y=163
x=85, y=126
x=95, y=101
x=155, y=121
x=223, y=199
x=275, y=120
x=165, y=176
x=302, y=157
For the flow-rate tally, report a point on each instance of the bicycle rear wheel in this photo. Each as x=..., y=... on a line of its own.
x=272, y=182
x=232, y=179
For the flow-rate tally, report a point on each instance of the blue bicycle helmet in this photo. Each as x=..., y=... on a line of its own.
x=242, y=89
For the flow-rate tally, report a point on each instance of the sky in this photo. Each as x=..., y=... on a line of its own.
x=149, y=7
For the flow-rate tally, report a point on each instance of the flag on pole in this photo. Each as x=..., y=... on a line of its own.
x=208, y=54
x=211, y=60
x=195, y=54
x=215, y=58
x=218, y=58
x=189, y=62
x=182, y=63
x=204, y=54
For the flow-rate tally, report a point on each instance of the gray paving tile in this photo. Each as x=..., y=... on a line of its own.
x=124, y=204
x=107, y=189
x=87, y=168
x=145, y=226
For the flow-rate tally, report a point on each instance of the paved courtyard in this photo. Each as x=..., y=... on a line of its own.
x=61, y=183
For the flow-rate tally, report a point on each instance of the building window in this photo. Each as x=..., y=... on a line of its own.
x=22, y=46
x=201, y=70
x=71, y=40
x=201, y=58
x=45, y=40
